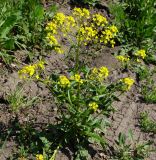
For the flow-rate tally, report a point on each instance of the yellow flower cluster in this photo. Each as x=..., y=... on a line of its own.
x=99, y=20
x=59, y=19
x=141, y=53
x=122, y=58
x=51, y=26
x=108, y=35
x=93, y=105
x=77, y=78
x=64, y=81
x=53, y=42
x=128, y=82
x=81, y=13
x=78, y=27
x=39, y=157
x=31, y=70
x=113, y=29
x=99, y=73
x=61, y=23
x=86, y=34
x=52, y=39
x=69, y=23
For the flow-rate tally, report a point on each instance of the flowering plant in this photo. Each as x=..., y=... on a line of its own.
x=84, y=100
x=82, y=30
x=82, y=96
x=131, y=58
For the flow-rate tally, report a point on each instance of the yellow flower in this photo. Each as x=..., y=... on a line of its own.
x=122, y=58
x=93, y=105
x=99, y=20
x=128, y=82
x=30, y=70
x=112, y=42
x=104, y=71
x=86, y=13
x=37, y=76
x=59, y=19
x=52, y=39
x=94, y=70
x=40, y=64
x=68, y=24
x=71, y=20
x=39, y=157
x=63, y=81
x=113, y=29
x=86, y=34
x=81, y=13
x=99, y=73
x=52, y=27
x=141, y=53
x=77, y=11
x=138, y=60
x=77, y=78
x=106, y=36
x=59, y=50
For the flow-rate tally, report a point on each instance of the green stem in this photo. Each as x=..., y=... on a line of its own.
x=77, y=57
x=55, y=152
x=78, y=95
x=3, y=145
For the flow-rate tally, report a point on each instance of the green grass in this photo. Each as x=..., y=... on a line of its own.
x=146, y=124
x=17, y=100
x=136, y=21
x=22, y=26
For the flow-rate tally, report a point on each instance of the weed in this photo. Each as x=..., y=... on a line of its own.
x=126, y=151
x=46, y=147
x=23, y=153
x=21, y=26
x=123, y=150
x=17, y=101
x=8, y=19
x=83, y=96
x=143, y=72
x=136, y=19
x=142, y=150
x=146, y=124
x=148, y=90
x=84, y=100
x=83, y=32
x=132, y=58
x=151, y=59
x=6, y=57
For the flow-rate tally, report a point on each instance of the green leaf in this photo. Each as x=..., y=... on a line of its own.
x=9, y=44
x=97, y=138
x=6, y=57
x=51, y=11
x=130, y=134
x=9, y=24
x=39, y=12
x=122, y=139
